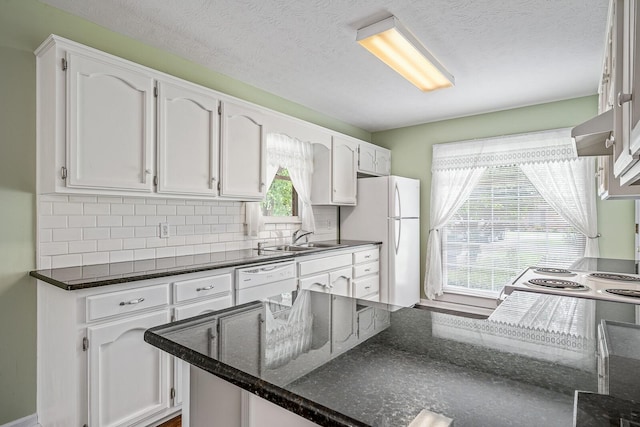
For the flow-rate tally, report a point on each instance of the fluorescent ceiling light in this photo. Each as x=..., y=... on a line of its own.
x=394, y=45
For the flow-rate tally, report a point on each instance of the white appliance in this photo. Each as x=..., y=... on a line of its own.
x=264, y=281
x=388, y=211
x=583, y=284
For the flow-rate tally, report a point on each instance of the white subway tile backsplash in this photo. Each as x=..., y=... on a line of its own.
x=97, y=209
x=95, y=233
x=145, y=209
x=86, y=230
x=53, y=248
x=109, y=245
x=83, y=246
x=61, y=261
x=91, y=258
x=185, y=210
x=144, y=254
x=146, y=231
x=67, y=234
x=77, y=221
x=166, y=210
x=136, y=243
x=53, y=221
x=122, y=209
x=109, y=221
x=67, y=208
x=120, y=256
x=128, y=221
x=122, y=232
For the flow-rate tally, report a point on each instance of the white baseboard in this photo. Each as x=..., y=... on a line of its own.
x=28, y=421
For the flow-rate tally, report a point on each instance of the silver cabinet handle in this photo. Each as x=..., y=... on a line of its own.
x=367, y=269
x=206, y=288
x=147, y=171
x=367, y=256
x=132, y=302
x=367, y=287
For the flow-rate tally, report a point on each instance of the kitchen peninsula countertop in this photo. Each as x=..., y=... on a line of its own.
x=521, y=366
x=89, y=276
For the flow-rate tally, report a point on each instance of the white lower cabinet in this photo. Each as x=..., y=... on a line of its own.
x=344, y=331
x=128, y=379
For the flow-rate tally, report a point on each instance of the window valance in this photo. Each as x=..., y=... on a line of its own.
x=553, y=145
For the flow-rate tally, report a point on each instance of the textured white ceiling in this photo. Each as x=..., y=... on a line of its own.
x=503, y=54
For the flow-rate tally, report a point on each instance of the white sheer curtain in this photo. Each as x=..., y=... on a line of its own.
x=457, y=167
x=297, y=157
x=449, y=190
x=570, y=189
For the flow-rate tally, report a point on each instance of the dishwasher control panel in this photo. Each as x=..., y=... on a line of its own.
x=263, y=274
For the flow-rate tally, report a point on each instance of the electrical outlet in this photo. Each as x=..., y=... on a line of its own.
x=164, y=230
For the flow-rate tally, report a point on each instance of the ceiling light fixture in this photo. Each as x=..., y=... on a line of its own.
x=397, y=47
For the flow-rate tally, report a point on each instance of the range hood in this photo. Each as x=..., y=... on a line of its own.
x=591, y=135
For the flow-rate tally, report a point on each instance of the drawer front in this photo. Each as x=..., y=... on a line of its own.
x=196, y=288
x=323, y=264
x=367, y=286
x=366, y=269
x=128, y=301
x=207, y=306
x=319, y=283
x=366, y=256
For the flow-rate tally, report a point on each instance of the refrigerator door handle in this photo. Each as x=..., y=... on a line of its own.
x=398, y=234
x=397, y=191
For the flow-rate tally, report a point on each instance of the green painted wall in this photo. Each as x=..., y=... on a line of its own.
x=24, y=24
x=411, y=156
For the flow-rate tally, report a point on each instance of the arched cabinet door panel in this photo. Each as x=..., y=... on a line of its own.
x=110, y=116
x=242, y=152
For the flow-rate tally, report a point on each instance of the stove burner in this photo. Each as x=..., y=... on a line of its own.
x=566, y=285
x=625, y=292
x=616, y=277
x=560, y=271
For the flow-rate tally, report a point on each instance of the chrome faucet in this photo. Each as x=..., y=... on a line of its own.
x=297, y=235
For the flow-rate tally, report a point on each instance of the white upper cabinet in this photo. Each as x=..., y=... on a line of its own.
x=187, y=140
x=242, y=152
x=344, y=159
x=110, y=134
x=373, y=160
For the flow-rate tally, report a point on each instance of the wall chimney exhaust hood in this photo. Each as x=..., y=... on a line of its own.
x=592, y=136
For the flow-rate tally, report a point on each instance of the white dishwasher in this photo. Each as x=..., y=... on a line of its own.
x=267, y=280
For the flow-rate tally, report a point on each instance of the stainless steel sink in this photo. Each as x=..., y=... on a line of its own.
x=311, y=246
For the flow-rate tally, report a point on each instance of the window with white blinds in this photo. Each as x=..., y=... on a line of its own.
x=504, y=227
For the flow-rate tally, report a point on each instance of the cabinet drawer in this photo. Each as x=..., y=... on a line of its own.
x=319, y=283
x=367, y=286
x=366, y=256
x=366, y=269
x=206, y=306
x=131, y=300
x=201, y=287
x=323, y=264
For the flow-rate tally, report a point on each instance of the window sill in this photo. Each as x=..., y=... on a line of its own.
x=282, y=220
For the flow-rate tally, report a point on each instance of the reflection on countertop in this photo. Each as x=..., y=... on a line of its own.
x=524, y=363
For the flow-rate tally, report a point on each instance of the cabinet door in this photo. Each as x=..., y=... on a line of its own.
x=340, y=282
x=383, y=162
x=128, y=378
x=624, y=30
x=239, y=340
x=242, y=152
x=343, y=174
x=634, y=52
x=110, y=125
x=344, y=334
x=187, y=140
x=366, y=158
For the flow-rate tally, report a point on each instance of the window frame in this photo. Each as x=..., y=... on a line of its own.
x=294, y=218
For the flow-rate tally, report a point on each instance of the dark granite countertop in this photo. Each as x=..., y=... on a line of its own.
x=89, y=276
x=521, y=366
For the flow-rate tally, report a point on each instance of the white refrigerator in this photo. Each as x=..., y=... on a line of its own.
x=388, y=210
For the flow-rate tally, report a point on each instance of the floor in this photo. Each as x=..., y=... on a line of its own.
x=174, y=422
